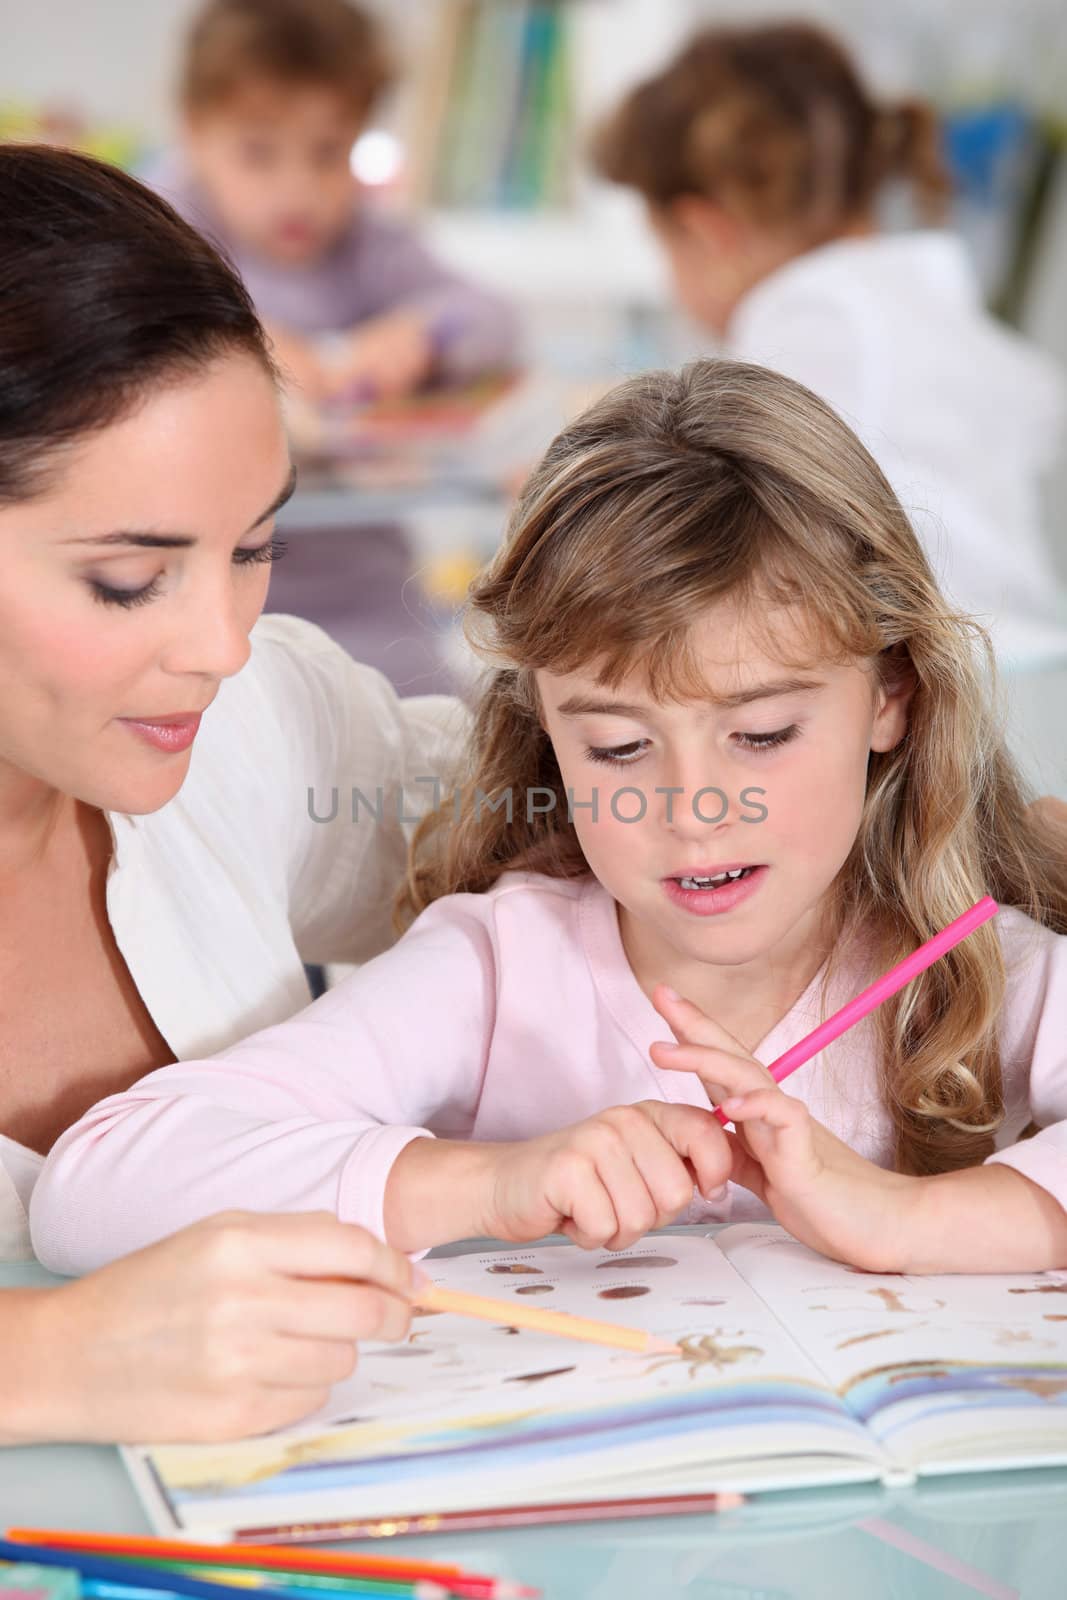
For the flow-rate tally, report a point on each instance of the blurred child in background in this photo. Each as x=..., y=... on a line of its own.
x=761, y=156
x=274, y=94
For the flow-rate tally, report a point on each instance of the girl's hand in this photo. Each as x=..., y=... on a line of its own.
x=234, y=1326
x=815, y=1185
x=609, y=1180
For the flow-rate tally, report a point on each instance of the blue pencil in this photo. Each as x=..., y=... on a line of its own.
x=101, y=1589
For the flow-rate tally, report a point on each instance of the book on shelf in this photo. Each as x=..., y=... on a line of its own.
x=493, y=122
x=794, y=1371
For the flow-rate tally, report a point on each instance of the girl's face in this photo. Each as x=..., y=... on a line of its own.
x=766, y=774
x=131, y=585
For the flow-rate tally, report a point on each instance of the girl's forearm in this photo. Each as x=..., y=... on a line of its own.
x=439, y=1190
x=984, y=1219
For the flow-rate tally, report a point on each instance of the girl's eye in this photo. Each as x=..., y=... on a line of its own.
x=273, y=550
x=620, y=756
x=767, y=741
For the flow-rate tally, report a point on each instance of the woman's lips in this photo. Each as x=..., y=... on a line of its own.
x=172, y=735
x=713, y=902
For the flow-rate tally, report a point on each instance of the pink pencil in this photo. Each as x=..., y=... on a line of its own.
x=880, y=990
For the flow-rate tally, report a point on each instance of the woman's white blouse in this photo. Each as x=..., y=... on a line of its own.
x=217, y=900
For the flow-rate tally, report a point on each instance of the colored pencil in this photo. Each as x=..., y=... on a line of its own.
x=562, y=1323
x=121, y=1572
x=677, y=1505
x=301, y=1585
x=871, y=998
x=269, y=1557
x=98, y=1589
x=286, y=1562
x=296, y=1586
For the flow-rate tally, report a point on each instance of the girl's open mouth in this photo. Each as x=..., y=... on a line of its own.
x=709, y=894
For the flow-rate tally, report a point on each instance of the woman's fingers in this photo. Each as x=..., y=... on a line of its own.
x=308, y=1363
x=340, y=1310
x=316, y=1245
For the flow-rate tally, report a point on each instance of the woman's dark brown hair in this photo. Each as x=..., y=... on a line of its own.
x=776, y=125
x=104, y=292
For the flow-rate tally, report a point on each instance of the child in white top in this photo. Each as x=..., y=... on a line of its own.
x=762, y=157
x=719, y=652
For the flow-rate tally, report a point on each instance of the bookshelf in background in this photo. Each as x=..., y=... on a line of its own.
x=494, y=123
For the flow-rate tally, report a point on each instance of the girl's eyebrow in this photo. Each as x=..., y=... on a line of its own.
x=182, y=541
x=579, y=705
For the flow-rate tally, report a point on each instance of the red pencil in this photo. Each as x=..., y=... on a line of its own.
x=672, y=1505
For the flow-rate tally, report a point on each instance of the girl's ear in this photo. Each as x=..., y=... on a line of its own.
x=892, y=704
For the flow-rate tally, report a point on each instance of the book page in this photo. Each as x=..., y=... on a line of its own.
x=898, y=1347
x=476, y=1412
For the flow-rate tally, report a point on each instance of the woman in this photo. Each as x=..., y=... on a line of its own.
x=163, y=881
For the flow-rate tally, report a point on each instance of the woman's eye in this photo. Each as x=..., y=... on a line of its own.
x=273, y=550
x=126, y=598
x=620, y=755
x=767, y=741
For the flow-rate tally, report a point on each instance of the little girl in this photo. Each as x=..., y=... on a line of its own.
x=763, y=159
x=735, y=747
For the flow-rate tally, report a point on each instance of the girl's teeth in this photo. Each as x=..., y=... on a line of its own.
x=713, y=883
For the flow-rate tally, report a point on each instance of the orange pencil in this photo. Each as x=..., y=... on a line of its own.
x=558, y=1322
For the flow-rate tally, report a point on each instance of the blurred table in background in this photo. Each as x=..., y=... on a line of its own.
x=397, y=507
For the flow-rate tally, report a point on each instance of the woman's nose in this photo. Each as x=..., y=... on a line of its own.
x=212, y=640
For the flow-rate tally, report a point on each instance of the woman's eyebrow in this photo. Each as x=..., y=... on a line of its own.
x=181, y=541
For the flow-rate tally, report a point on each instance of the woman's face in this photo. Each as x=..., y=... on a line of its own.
x=131, y=583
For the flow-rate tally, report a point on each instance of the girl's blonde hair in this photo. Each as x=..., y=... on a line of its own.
x=775, y=124
x=729, y=481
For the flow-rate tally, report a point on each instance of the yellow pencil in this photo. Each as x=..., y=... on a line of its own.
x=562, y=1323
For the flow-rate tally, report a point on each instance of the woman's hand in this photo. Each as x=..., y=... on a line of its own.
x=234, y=1326
x=603, y=1182
x=815, y=1185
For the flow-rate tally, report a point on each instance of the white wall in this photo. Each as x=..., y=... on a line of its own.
x=112, y=59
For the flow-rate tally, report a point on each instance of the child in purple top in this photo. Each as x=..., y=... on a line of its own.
x=274, y=93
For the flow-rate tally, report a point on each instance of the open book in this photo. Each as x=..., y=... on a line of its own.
x=795, y=1371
